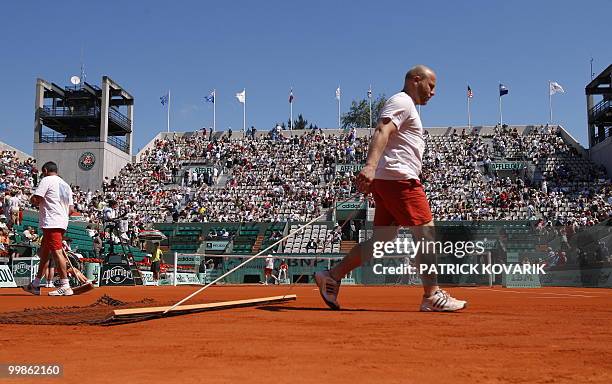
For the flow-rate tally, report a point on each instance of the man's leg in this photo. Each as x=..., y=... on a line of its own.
x=56, y=250
x=50, y=274
x=43, y=265
x=425, y=233
x=60, y=262
x=384, y=230
x=412, y=210
x=362, y=253
x=434, y=298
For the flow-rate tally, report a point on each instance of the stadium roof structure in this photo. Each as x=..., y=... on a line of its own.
x=599, y=113
x=595, y=87
x=76, y=110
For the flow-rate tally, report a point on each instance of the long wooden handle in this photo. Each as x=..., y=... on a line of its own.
x=70, y=268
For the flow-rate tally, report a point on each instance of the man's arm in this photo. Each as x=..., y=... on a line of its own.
x=377, y=146
x=35, y=200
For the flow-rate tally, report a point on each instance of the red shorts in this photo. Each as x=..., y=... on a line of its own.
x=268, y=271
x=400, y=202
x=52, y=239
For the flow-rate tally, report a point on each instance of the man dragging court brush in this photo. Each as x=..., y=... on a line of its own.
x=53, y=197
x=391, y=175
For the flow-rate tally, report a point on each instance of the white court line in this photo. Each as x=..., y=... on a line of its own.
x=547, y=297
x=599, y=292
x=525, y=293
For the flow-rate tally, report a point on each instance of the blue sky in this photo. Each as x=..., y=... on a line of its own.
x=267, y=47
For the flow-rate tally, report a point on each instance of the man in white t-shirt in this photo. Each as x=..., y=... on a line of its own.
x=14, y=204
x=53, y=197
x=391, y=174
x=269, y=268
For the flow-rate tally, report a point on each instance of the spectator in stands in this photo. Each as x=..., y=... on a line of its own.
x=4, y=241
x=283, y=271
x=561, y=258
x=111, y=224
x=90, y=231
x=14, y=205
x=124, y=227
x=156, y=257
x=3, y=222
x=336, y=236
x=98, y=245
x=30, y=234
x=311, y=245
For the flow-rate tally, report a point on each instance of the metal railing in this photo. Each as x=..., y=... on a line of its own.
x=119, y=118
x=54, y=137
x=600, y=107
x=59, y=138
x=47, y=111
x=113, y=114
x=118, y=143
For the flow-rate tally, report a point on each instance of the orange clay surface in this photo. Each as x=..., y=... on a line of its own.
x=548, y=335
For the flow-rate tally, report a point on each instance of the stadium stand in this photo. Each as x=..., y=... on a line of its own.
x=523, y=173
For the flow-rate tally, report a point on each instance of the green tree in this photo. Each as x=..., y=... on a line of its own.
x=358, y=115
x=300, y=123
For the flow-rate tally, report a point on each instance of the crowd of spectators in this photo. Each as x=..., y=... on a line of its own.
x=553, y=183
x=206, y=177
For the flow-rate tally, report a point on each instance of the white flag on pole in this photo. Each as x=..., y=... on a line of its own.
x=338, y=93
x=556, y=88
x=241, y=96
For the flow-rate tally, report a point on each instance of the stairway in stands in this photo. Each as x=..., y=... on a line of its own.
x=258, y=242
x=221, y=181
x=346, y=246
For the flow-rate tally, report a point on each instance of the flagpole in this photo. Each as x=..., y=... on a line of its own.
x=291, y=110
x=244, y=111
x=469, y=114
x=339, y=96
x=214, y=110
x=370, y=100
x=501, y=117
x=550, y=119
x=168, y=128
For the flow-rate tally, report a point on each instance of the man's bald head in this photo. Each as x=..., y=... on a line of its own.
x=420, y=70
x=419, y=84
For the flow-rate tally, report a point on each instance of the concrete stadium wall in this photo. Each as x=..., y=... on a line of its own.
x=569, y=139
x=602, y=154
x=109, y=161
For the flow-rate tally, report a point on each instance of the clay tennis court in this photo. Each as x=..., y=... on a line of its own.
x=560, y=335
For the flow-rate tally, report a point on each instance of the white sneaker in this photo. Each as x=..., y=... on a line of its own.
x=62, y=291
x=328, y=288
x=441, y=301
